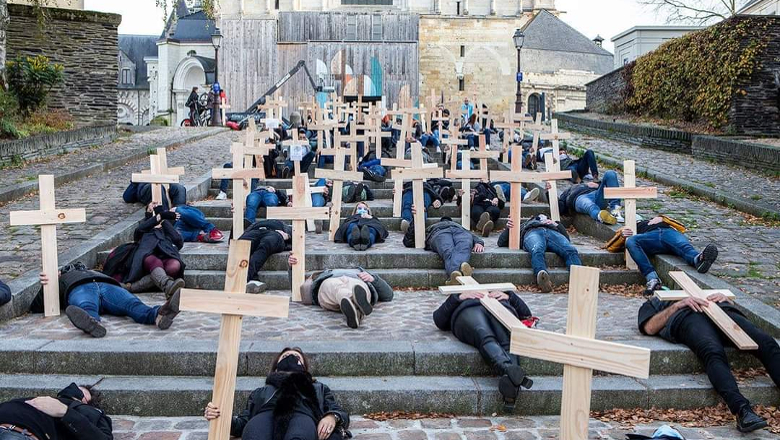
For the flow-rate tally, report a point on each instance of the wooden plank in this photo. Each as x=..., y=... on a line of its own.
x=552, y=195
x=49, y=259
x=233, y=174
x=226, y=303
x=225, y=375
x=465, y=203
x=154, y=179
x=644, y=192
x=337, y=197
x=484, y=155
x=237, y=266
x=504, y=316
x=321, y=173
x=296, y=213
x=60, y=216
x=629, y=182
x=679, y=295
x=501, y=287
x=529, y=177
x=714, y=312
x=467, y=174
x=388, y=162
x=299, y=236
x=515, y=203
x=240, y=192
x=418, y=173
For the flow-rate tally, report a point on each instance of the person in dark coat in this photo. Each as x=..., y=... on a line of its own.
x=430, y=198
x=361, y=230
x=454, y=245
x=5, y=293
x=157, y=253
x=538, y=234
x=486, y=208
x=472, y=324
x=74, y=415
x=444, y=189
x=268, y=237
x=86, y=294
x=291, y=406
x=142, y=193
x=588, y=198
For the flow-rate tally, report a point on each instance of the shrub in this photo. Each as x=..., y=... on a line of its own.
x=8, y=110
x=31, y=79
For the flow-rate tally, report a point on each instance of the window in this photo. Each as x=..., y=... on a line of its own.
x=276, y=4
x=126, y=76
x=463, y=51
x=351, y=27
x=376, y=28
x=461, y=85
x=368, y=2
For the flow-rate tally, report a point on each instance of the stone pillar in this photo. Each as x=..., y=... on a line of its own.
x=492, y=7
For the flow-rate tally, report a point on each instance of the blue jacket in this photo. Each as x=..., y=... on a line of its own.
x=5, y=293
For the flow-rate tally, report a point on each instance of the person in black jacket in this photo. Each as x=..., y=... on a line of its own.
x=430, y=198
x=268, y=237
x=87, y=293
x=142, y=193
x=291, y=406
x=5, y=293
x=538, y=234
x=453, y=243
x=73, y=415
x=486, y=208
x=472, y=324
x=361, y=230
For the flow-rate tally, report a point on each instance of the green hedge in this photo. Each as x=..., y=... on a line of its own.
x=695, y=77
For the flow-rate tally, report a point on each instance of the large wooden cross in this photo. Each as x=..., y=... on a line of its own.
x=454, y=142
x=555, y=136
x=578, y=349
x=418, y=173
x=156, y=178
x=48, y=217
x=377, y=134
x=465, y=175
x=163, y=168
x=630, y=193
x=399, y=161
x=232, y=304
x=223, y=107
x=516, y=177
x=241, y=175
x=338, y=175
x=508, y=126
x=483, y=154
x=299, y=213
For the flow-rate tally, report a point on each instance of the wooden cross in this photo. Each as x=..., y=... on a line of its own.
x=399, y=161
x=241, y=175
x=338, y=176
x=299, y=213
x=162, y=157
x=454, y=143
x=508, y=126
x=377, y=134
x=465, y=175
x=555, y=136
x=578, y=349
x=630, y=193
x=516, y=177
x=353, y=140
x=233, y=304
x=417, y=174
x=483, y=154
x=323, y=127
x=155, y=177
x=223, y=107
x=48, y=217
x=295, y=142
x=724, y=322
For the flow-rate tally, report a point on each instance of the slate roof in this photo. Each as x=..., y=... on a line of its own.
x=136, y=47
x=188, y=27
x=548, y=32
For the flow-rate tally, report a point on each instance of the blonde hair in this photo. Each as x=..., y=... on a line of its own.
x=354, y=211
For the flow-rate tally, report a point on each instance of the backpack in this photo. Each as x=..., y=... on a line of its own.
x=617, y=243
x=119, y=260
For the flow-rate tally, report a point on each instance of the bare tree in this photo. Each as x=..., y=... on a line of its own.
x=695, y=12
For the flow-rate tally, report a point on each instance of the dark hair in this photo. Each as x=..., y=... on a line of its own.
x=295, y=349
x=473, y=118
x=195, y=88
x=97, y=396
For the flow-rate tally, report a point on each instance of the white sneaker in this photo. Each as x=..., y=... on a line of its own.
x=616, y=213
x=532, y=195
x=255, y=287
x=221, y=196
x=588, y=177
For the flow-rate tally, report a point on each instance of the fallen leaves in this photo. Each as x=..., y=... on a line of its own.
x=624, y=290
x=405, y=415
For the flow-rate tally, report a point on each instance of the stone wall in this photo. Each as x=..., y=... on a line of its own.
x=734, y=151
x=85, y=43
x=61, y=142
x=604, y=94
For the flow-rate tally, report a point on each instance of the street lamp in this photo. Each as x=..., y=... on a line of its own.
x=519, y=38
x=216, y=41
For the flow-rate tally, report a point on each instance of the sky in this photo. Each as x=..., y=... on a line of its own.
x=591, y=17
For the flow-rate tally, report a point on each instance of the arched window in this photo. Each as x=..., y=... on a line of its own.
x=534, y=104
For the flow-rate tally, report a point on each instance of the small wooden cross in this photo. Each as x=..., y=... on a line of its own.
x=353, y=140
x=454, y=143
x=162, y=156
x=630, y=193
x=399, y=161
x=156, y=178
x=223, y=108
x=338, y=176
x=578, y=349
x=233, y=304
x=724, y=322
x=516, y=177
x=483, y=154
x=299, y=213
x=418, y=173
x=465, y=175
x=48, y=217
x=377, y=135
x=241, y=175
x=555, y=136
x=508, y=126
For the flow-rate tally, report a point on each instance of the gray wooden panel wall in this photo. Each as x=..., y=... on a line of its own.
x=298, y=27
x=247, y=60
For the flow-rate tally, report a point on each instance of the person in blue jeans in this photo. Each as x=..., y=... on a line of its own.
x=224, y=183
x=584, y=168
x=588, y=198
x=538, y=235
x=430, y=196
x=264, y=197
x=142, y=193
x=504, y=191
x=89, y=293
x=654, y=237
x=372, y=168
x=193, y=226
x=318, y=200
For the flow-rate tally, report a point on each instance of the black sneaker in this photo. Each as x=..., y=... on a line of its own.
x=509, y=392
x=706, y=258
x=365, y=238
x=652, y=286
x=354, y=237
x=361, y=298
x=84, y=322
x=749, y=421
x=374, y=177
x=349, y=312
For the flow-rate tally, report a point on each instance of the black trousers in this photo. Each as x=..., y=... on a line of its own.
x=477, y=210
x=475, y=326
x=266, y=246
x=261, y=427
x=704, y=338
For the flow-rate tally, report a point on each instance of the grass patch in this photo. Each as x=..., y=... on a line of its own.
x=755, y=197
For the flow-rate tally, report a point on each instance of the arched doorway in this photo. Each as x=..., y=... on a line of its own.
x=534, y=104
x=193, y=71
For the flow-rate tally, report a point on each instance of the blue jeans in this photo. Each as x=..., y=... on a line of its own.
x=594, y=202
x=659, y=241
x=507, y=188
x=371, y=233
x=585, y=165
x=96, y=298
x=223, y=184
x=429, y=139
x=406, y=205
x=318, y=200
x=259, y=199
x=375, y=166
x=191, y=222
x=539, y=240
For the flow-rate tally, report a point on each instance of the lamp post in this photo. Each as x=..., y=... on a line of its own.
x=216, y=41
x=519, y=39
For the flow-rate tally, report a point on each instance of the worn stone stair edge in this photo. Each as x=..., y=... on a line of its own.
x=26, y=286
x=16, y=191
x=195, y=357
x=151, y=396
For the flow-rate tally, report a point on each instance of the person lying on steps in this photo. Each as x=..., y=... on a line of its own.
x=353, y=292
x=264, y=197
x=361, y=230
x=504, y=192
x=142, y=193
x=684, y=322
x=268, y=237
x=539, y=234
x=486, y=208
x=430, y=198
x=588, y=198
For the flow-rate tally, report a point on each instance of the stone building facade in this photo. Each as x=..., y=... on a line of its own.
x=133, y=101
x=62, y=4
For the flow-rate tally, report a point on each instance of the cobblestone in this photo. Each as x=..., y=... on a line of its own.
x=520, y=428
x=749, y=257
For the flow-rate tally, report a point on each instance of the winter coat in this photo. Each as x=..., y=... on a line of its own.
x=569, y=197
x=359, y=221
x=380, y=290
x=485, y=195
x=120, y=259
x=281, y=394
x=164, y=242
x=257, y=230
x=446, y=316
x=84, y=422
x=70, y=280
x=528, y=226
x=445, y=226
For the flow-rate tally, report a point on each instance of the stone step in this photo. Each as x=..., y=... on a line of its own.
x=286, y=184
x=390, y=223
x=378, y=193
x=153, y=396
x=419, y=278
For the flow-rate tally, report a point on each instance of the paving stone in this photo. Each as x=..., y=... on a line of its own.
x=436, y=423
x=475, y=423
x=447, y=436
x=160, y=436
x=402, y=424
x=415, y=434
x=520, y=435
x=480, y=435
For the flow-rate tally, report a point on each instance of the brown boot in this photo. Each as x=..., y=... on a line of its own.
x=145, y=284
